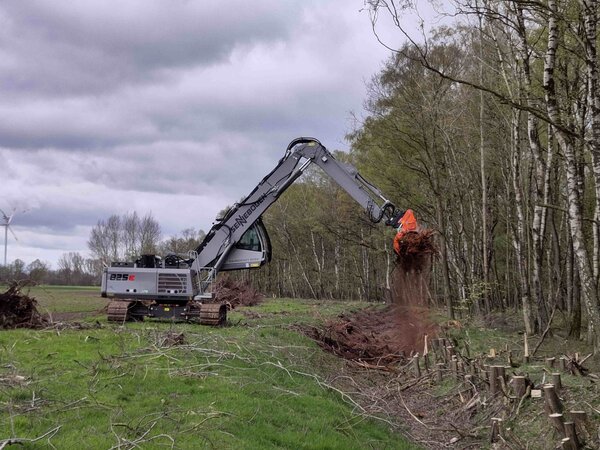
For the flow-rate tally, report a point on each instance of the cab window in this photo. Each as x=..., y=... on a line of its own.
x=249, y=240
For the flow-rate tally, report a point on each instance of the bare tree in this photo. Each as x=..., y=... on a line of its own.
x=124, y=237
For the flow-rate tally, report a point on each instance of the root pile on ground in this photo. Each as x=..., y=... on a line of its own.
x=236, y=292
x=376, y=336
x=384, y=336
x=18, y=310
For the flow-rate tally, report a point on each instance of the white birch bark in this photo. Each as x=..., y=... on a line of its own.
x=589, y=288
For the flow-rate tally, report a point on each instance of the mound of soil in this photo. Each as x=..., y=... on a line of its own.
x=236, y=292
x=18, y=310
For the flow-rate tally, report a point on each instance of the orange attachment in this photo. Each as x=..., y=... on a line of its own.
x=408, y=221
x=408, y=224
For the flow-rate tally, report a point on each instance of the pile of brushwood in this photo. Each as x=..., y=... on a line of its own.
x=18, y=310
x=236, y=292
x=383, y=336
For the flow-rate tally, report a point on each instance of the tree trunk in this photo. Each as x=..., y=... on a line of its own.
x=590, y=20
x=484, y=191
x=519, y=235
x=589, y=288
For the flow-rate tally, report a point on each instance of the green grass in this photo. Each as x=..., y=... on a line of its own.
x=62, y=299
x=256, y=384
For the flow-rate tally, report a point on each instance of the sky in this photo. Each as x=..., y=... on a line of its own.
x=176, y=108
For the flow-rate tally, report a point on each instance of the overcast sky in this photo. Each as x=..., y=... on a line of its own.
x=173, y=107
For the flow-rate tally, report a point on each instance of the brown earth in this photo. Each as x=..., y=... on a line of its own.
x=375, y=335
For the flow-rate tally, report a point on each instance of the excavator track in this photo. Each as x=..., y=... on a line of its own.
x=118, y=311
x=193, y=311
x=213, y=314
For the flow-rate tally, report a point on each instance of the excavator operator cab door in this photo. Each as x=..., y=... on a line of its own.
x=252, y=251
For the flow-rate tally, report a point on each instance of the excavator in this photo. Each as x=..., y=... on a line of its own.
x=180, y=287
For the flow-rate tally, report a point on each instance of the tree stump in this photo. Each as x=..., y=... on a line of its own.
x=519, y=385
x=495, y=429
x=492, y=380
x=581, y=423
x=415, y=365
x=556, y=381
x=562, y=364
x=439, y=372
x=551, y=399
x=571, y=433
x=557, y=421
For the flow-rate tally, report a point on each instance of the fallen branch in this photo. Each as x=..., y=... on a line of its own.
x=49, y=434
x=545, y=332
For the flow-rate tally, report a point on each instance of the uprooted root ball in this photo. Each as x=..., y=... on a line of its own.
x=18, y=310
x=411, y=274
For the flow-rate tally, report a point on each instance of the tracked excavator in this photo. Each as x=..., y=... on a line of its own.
x=180, y=287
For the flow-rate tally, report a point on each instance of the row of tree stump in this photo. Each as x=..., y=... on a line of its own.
x=488, y=383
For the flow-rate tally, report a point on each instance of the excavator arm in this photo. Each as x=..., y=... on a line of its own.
x=214, y=251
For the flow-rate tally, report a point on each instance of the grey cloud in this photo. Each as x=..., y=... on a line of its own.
x=94, y=46
x=171, y=106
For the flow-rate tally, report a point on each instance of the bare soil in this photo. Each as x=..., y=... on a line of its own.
x=375, y=335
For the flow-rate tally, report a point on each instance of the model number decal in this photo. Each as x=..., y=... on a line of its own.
x=122, y=277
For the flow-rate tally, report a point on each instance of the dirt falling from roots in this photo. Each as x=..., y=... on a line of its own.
x=384, y=336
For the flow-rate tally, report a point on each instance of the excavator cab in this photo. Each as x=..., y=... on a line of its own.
x=251, y=251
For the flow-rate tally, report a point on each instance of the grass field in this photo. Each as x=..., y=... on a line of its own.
x=255, y=384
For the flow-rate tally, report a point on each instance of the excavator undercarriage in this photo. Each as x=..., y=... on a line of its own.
x=123, y=310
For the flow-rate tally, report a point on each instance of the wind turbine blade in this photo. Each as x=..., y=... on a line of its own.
x=13, y=233
x=4, y=215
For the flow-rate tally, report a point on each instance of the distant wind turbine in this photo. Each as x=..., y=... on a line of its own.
x=7, y=219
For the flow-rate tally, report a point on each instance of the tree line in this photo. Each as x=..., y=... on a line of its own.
x=490, y=130
x=117, y=238
x=497, y=119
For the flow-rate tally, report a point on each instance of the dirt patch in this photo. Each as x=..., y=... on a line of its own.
x=236, y=293
x=18, y=310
